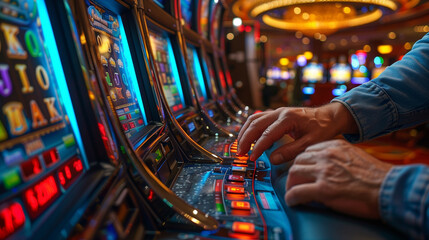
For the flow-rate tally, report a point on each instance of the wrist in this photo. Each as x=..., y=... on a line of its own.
x=342, y=120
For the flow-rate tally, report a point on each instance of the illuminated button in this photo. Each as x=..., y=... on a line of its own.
x=236, y=178
x=243, y=227
x=218, y=185
x=241, y=205
x=51, y=156
x=238, y=169
x=69, y=141
x=240, y=162
x=11, y=178
x=31, y=168
x=231, y=189
x=242, y=158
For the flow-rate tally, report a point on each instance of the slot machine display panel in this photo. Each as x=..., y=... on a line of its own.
x=42, y=160
x=118, y=69
x=186, y=9
x=204, y=18
x=166, y=63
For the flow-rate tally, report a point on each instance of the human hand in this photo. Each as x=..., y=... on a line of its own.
x=339, y=175
x=306, y=125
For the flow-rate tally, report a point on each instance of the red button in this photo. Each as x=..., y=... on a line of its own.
x=231, y=189
x=243, y=227
x=236, y=178
x=242, y=205
x=218, y=185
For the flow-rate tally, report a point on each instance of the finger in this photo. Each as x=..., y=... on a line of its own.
x=271, y=135
x=324, y=145
x=302, y=194
x=300, y=174
x=249, y=120
x=254, y=131
x=291, y=150
x=306, y=158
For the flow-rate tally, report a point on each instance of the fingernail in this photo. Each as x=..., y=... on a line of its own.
x=277, y=158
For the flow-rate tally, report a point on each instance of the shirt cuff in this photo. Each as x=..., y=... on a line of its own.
x=372, y=108
x=404, y=200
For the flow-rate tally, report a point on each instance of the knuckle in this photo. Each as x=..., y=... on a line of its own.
x=293, y=170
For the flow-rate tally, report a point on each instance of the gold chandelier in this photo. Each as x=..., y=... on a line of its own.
x=315, y=16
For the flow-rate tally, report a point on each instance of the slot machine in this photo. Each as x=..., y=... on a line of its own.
x=216, y=74
x=59, y=160
x=180, y=196
x=225, y=81
x=190, y=126
x=198, y=71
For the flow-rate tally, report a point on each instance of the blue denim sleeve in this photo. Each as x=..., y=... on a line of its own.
x=397, y=99
x=404, y=200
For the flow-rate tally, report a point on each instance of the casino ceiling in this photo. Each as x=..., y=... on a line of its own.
x=333, y=26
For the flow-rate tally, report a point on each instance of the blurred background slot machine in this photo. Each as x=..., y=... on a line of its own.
x=199, y=75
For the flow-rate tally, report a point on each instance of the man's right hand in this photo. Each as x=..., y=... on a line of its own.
x=306, y=125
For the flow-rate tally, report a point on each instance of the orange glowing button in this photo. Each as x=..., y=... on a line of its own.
x=243, y=227
x=242, y=205
x=242, y=158
x=231, y=189
x=240, y=162
x=233, y=150
x=236, y=178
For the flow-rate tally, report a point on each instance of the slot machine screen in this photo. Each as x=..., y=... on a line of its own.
x=196, y=73
x=211, y=74
x=313, y=73
x=186, y=9
x=166, y=64
x=119, y=75
x=341, y=73
x=204, y=18
x=41, y=152
x=216, y=23
x=160, y=3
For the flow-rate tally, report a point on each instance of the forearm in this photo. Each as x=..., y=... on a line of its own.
x=404, y=200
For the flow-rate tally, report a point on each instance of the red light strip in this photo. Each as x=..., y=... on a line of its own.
x=38, y=197
x=12, y=218
x=68, y=173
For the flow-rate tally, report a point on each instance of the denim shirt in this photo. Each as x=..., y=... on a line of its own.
x=397, y=99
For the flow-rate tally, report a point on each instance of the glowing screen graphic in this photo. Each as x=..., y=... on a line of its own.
x=118, y=70
x=166, y=63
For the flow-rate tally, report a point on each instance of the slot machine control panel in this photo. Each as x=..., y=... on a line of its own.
x=237, y=192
